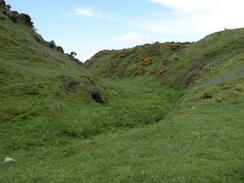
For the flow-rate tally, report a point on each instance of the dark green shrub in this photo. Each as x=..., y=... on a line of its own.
x=59, y=48
x=26, y=18
x=8, y=7
x=2, y=3
x=16, y=17
x=73, y=54
x=13, y=15
x=52, y=44
x=175, y=46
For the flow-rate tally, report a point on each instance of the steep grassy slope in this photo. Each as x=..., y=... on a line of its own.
x=170, y=112
x=38, y=84
x=30, y=72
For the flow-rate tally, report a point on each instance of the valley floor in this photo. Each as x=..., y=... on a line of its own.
x=200, y=140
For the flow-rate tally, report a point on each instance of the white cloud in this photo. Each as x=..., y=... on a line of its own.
x=91, y=12
x=157, y=26
x=188, y=5
x=99, y=15
x=132, y=37
x=88, y=12
x=195, y=17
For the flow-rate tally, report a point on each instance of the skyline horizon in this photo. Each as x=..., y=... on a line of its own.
x=113, y=26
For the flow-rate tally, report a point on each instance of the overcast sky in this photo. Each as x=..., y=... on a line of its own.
x=87, y=26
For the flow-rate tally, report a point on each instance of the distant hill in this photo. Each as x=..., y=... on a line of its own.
x=184, y=62
x=162, y=112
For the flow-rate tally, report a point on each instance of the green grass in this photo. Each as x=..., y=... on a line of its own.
x=155, y=125
x=130, y=103
x=204, y=144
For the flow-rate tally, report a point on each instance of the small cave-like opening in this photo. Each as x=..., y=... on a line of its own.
x=97, y=97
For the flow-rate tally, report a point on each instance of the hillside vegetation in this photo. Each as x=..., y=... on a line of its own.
x=163, y=112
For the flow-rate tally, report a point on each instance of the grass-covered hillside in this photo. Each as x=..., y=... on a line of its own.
x=171, y=62
x=149, y=59
x=166, y=112
x=38, y=84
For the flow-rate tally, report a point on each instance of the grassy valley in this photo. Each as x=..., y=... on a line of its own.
x=162, y=112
